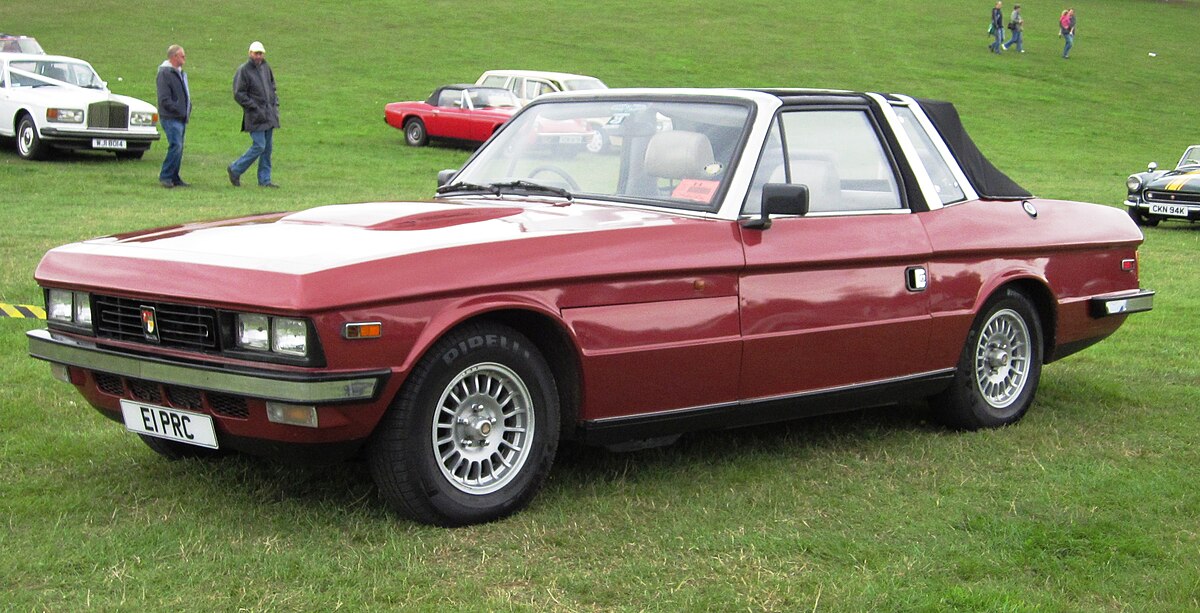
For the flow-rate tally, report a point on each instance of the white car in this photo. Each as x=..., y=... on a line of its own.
x=52, y=101
x=529, y=84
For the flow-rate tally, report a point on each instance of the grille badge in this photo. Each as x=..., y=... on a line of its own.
x=150, y=324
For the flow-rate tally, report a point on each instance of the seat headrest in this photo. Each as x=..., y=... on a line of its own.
x=677, y=154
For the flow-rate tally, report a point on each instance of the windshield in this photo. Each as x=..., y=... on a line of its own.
x=43, y=73
x=676, y=154
x=493, y=98
x=1191, y=157
x=574, y=85
x=19, y=44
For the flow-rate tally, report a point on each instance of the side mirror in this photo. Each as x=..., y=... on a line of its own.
x=780, y=199
x=1152, y=167
x=445, y=176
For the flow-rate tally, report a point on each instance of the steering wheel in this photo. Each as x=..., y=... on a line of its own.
x=555, y=170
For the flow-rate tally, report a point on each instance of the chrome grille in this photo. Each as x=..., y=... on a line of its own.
x=1172, y=197
x=108, y=114
x=181, y=326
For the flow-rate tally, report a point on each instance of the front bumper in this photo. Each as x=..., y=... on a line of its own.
x=1135, y=301
x=1183, y=211
x=299, y=388
x=82, y=139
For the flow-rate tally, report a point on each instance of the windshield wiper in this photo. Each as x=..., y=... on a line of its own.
x=462, y=186
x=523, y=186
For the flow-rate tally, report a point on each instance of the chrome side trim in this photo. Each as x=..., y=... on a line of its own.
x=1134, y=302
x=271, y=385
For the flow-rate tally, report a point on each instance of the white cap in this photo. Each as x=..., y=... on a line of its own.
x=256, y=47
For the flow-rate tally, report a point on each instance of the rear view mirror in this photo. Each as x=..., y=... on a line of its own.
x=445, y=176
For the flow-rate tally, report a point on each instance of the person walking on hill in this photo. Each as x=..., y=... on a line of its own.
x=1066, y=25
x=174, y=108
x=997, y=29
x=254, y=90
x=1016, y=23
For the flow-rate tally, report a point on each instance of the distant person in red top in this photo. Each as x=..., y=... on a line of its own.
x=1066, y=25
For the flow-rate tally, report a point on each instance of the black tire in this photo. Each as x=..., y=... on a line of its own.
x=446, y=452
x=130, y=155
x=414, y=132
x=1000, y=366
x=1143, y=219
x=29, y=143
x=172, y=450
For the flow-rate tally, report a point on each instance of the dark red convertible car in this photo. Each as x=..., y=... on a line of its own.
x=462, y=113
x=731, y=257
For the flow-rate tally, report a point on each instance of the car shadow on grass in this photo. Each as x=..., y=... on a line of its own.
x=346, y=488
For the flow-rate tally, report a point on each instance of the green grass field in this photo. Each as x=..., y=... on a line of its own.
x=1089, y=504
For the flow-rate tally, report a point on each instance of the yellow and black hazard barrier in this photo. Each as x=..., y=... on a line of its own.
x=22, y=311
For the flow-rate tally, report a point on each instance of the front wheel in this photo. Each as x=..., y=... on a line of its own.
x=414, y=133
x=472, y=434
x=999, y=368
x=173, y=450
x=29, y=144
x=1143, y=219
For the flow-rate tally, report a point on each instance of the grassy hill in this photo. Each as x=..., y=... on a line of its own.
x=1088, y=504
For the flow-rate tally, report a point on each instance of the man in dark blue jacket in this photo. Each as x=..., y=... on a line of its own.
x=254, y=90
x=174, y=108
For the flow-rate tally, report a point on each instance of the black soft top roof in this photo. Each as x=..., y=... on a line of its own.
x=987, y=179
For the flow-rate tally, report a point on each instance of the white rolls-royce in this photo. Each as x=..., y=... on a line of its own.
x=53, y=101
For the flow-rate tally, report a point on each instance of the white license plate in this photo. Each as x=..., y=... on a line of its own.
x=171, y=424
x=571, y=139
x=1175, y=210
x=108, y=143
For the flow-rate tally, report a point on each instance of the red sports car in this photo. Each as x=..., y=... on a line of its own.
x=462, y=113
x=731, y=257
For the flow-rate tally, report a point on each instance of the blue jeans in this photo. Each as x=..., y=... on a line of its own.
x=1070, y=38
x=260, y=149
x=999, y=34
x=1017, y=39
x=175, y=130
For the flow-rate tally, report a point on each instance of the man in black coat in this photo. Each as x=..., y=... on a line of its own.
x=254, y=89
x=174, y=108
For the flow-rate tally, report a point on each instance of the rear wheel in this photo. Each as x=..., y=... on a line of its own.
x=473, y=433
x=29, y=144
x=414, y=132
x=999, y=368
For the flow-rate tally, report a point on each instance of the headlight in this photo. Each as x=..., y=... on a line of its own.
x=289, y=336
x=282, y=335
x=1133, y=183
x=140, y=118
x=254, y=332
x=64, y=115
x=67, y=307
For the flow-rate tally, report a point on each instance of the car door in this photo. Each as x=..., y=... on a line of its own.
x=448, y=119
x=834, y=299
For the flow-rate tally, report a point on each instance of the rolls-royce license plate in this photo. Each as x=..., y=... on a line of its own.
x=108, y=143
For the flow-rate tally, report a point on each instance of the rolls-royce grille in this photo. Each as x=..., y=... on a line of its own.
x=1172, y=197
x=175, y=325
x=108, y=114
